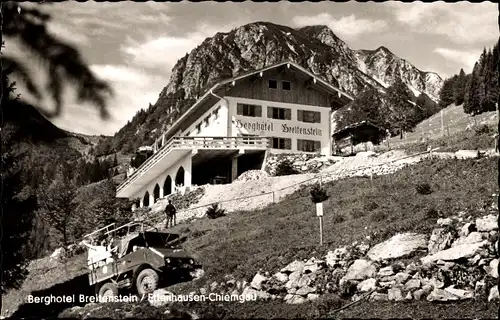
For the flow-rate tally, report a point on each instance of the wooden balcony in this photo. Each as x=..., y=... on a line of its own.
x=177, y=147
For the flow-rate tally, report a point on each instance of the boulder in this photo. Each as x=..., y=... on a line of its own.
x=360, y=270
x=257, y=281
x=281, y=277
x=367, y=285
x=294, y=299
x=493, y=296
x=213, y=286
x=395, y=294
x=455, y=253
x=487, y=223
x=160, y=298
x=492, y=269
x=412, y=285
x=445, y=222
x=197, y=274
x=422, y=293
x=385, y=272
x=398, y=246
x=461, y=294
x=440, y=239
x=312, y=265
x=376, y=296
x=293, y=280
x=332, y=257
x=441, y=295
x=435, y=283
x=412, y=268
x=467, y=228
x=251, y=294
x=304, y=291
x=312, y=296
x=296, y=266
x=401, y=277
x=472, y=237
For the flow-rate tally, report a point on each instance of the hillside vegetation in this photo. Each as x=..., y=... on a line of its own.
x=242, y=243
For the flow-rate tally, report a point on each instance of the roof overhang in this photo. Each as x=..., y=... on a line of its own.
x=340, y=97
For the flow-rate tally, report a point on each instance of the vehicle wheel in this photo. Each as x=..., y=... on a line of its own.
x=108, y=291
x=147, y=281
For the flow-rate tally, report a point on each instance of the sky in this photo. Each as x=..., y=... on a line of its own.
x=134, y=46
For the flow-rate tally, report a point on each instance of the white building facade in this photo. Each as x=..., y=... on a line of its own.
x=279, y=109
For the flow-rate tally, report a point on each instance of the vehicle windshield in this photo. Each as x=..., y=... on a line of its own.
x=160, y=239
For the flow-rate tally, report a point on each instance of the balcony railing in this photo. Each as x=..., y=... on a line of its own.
x=196, y=143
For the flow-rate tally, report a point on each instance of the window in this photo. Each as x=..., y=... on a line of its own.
x=206, y=121
x=282, y=143
x=279, y=113
x=216, y=113
x=273, y=84
x=248, y=110
x=286, y=85
x=309, y=116
x=198, y=128
x=308, y=145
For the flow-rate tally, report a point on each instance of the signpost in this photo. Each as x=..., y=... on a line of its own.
x=319, y=213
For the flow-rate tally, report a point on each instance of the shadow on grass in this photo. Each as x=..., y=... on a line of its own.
x=80, y=293
x=73, y=288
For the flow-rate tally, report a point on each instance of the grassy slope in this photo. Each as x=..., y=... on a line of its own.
x=270, y=238
x=243, y=243
x=456, y=121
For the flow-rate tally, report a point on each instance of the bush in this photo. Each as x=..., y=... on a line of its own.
x=338, y=218
x=370, y=206
x=318, y=194
x=432, y=214
x=285, y=168
x=214, y=212
x=483, y=130
x=423, y=188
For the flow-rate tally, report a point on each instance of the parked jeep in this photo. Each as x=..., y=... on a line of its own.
x=138, y=260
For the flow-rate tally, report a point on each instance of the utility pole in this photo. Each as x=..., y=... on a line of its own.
x=442, y=123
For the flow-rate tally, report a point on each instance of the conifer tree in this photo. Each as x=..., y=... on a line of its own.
x=459, y=88
x=404, y=117
x=446, y=95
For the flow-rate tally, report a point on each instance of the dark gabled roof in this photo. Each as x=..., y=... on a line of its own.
x=365, y=123
x=209, y=93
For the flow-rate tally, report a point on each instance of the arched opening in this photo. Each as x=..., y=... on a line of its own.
x=167, y=186
x=179, y=177
x=156, y=192
x=145, y=200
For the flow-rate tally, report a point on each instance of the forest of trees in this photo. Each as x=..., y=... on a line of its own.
x=393, y=110
x=478, y=91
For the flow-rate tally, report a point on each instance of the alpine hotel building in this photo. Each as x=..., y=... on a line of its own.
x=282, y=108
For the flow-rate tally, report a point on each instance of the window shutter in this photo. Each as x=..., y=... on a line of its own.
x=317, y=117
x=239, y=109
x=258, y=111
x=300, y=144
x=300, y=115
x=288, y=144
x=317, y=146
x=269, y=112
x=288, y=114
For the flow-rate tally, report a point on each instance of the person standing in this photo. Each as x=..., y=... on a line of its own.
x=171, y=213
